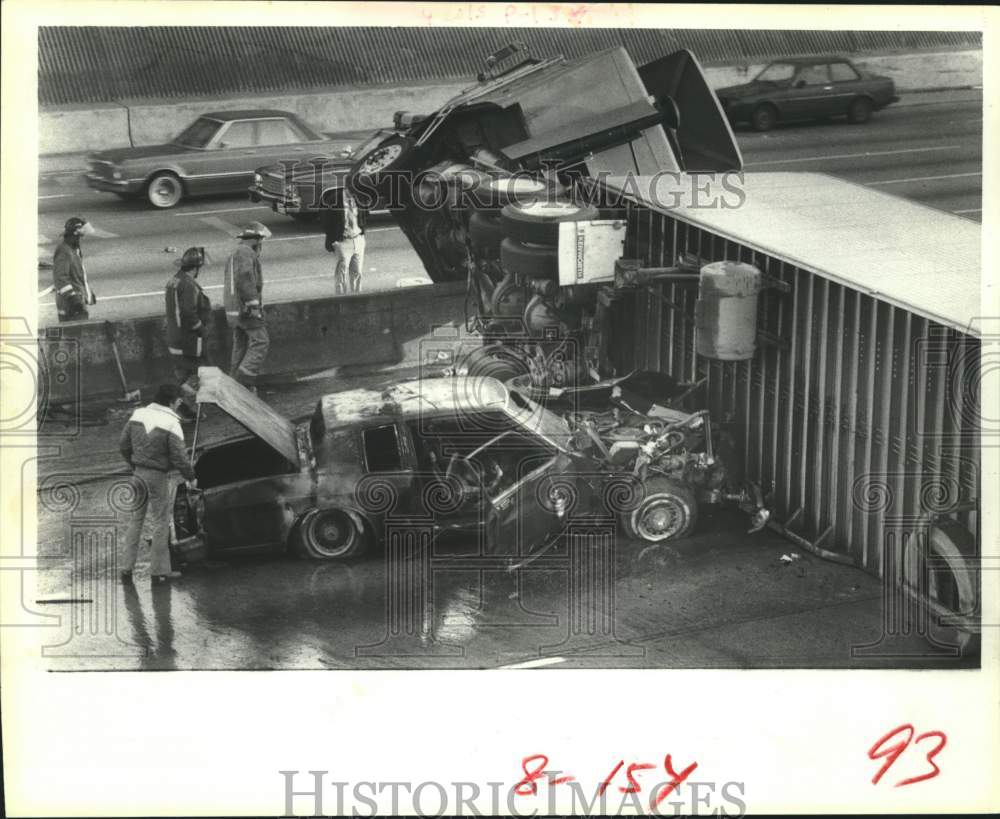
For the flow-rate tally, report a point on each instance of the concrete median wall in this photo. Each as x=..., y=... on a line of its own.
x=76, y=129
x=77, y=360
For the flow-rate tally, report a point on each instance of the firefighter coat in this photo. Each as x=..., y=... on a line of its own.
x=189, y=314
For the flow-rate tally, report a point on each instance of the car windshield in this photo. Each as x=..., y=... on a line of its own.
x=776, y=72
x=199, y=133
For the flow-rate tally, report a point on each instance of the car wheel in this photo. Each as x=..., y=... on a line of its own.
x=764, y=117
x=538, y=223
x=668, y=511
x=164, y=190
x=331, y=534
x=372, y=172
x=860, y=110
x=530, y=261
x=486, y=233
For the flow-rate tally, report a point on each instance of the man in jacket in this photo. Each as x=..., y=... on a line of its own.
x=69, y=278
x=152, y=444
x=345, y=238
x=189, y=314
x=245, y=305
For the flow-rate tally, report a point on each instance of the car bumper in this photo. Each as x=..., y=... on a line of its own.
x=279, y=204
x=99, y=183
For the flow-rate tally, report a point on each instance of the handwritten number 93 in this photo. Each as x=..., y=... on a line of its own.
x=882, y=749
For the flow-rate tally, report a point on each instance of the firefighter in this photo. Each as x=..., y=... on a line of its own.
x=245, y=306
x=69, y=278
x=189, y=314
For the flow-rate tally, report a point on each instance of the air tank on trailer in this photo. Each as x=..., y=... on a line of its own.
x=726, y=311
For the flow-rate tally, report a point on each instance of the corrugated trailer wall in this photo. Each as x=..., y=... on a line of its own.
x=859, y=415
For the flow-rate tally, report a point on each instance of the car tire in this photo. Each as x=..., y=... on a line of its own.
x=764, y=117
x=668, y=511
x=486, y=233
x=529, y=261
x=331, y=534
x=860, y=110
x=164, y=190
x=372, y=173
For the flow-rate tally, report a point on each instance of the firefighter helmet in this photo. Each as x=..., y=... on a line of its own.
x=254, y=230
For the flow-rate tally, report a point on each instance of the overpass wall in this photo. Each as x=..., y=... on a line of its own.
x=388, y=328
x=81, y=128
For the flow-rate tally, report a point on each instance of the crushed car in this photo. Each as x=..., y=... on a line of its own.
x=465, y=455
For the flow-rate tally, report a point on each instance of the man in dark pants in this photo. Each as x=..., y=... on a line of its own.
x=69, y=278
x=345, y=238
x=152, y=444
x=245, y=306
x=189, y=313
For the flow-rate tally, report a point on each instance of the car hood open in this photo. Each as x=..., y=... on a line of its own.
x=215, y=387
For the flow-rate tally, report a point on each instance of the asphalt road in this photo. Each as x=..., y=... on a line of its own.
x=930, y=152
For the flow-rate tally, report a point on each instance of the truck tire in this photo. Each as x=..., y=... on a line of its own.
x=486, y=233
x=538, y=223
x=373, y=172
x=668, y=511
x=529, y=261
x=497, y=192
x=331, y=534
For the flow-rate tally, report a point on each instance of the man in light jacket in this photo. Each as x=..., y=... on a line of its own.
x=245, y=305
x=69, y=278
x=152, y=444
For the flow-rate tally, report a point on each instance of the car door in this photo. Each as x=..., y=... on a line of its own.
x=846, y=82
x=227, y=163
x=810, y=93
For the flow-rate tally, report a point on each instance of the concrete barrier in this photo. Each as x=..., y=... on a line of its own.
x=77, y=361
x=78, y=129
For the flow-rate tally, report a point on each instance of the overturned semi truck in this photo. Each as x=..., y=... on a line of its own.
x=559, y=190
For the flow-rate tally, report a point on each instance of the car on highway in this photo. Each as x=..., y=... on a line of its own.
x=215, y=154
x=466, y=455
x=305, y=188
x=802, y=88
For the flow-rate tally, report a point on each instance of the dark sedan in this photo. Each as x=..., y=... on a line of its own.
x=217, y=153
x=803, y=88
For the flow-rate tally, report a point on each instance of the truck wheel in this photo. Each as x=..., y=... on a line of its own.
x=496, y=193
x=164, y=190
x=668, y=511
x=331, y=534
x=373, y=171
x=530, y=261
x=860, y=110
x=764, y=117
x=538, y=223
x=486, y=233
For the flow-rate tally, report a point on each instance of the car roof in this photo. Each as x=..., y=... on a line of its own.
x=249, y=113
x=827, y=58
x=410, y=399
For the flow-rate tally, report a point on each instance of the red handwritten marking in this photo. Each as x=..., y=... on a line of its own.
x=604, y=785
x=559, y=780
x=531, y=776
x=893, y=753
x=633, y=785
x=675, y=780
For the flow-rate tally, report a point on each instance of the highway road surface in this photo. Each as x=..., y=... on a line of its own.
x=930, y=152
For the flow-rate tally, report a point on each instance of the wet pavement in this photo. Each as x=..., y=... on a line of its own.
x=719, y=599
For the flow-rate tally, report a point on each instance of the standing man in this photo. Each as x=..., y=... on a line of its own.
x=152, y=444
x=189, y=313
x=345, y=238
x=245, y=306
x=69, y=278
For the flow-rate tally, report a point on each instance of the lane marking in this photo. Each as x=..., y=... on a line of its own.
x=220, y=210
x=969, y=210
x=924, y=178
x=56, y=195
x=855, y=156
x=320, y=235
x=543, y=661
x=103, y=234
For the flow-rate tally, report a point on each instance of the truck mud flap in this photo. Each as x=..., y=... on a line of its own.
x=703, y=137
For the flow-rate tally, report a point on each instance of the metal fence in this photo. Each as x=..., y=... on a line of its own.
x=856, y=416
x=82, y=64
